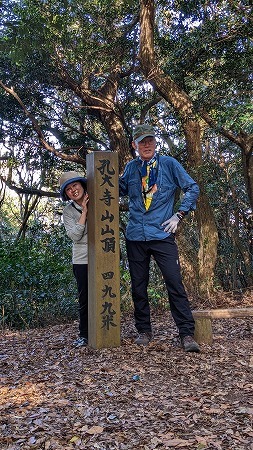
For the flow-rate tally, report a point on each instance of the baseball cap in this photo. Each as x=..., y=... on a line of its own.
x=142, y=131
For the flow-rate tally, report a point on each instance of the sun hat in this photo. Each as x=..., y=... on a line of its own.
x=70, y=177
x=142, y=131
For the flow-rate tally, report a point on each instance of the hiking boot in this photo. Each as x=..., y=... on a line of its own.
x=189, y=345
x=80, y=342
x=144, y=338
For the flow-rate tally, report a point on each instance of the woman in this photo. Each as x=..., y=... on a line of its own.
x=73, y=189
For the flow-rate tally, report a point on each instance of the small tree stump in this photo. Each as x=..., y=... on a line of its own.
x=203, y=331
x=203, y=318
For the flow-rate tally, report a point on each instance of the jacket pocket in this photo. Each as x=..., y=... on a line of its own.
x=165, y=193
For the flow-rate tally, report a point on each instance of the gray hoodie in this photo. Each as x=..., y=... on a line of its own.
x=76, y=232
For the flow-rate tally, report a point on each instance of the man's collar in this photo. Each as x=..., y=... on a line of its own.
x=153, y=159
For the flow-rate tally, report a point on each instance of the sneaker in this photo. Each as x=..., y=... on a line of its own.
x=144, y=338
x=189, y=345
x=80, y=342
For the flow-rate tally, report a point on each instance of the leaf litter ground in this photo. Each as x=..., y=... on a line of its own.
x=54, y=396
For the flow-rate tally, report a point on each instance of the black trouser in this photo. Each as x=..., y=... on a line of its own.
x=165, y=253
x=81, y=276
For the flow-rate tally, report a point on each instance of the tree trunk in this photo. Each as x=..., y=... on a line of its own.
x=104, y=105
x=117, y=138
x=247, y=163
x=208, y=234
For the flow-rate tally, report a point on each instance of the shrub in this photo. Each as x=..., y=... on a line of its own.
x=36, y=281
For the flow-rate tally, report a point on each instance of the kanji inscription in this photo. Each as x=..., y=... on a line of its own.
x=103, y=233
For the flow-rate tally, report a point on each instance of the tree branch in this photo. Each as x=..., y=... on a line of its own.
x=27, y=190
x=37, y=129
x=243, y=140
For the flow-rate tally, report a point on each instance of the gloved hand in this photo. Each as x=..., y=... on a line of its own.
x=171, y=224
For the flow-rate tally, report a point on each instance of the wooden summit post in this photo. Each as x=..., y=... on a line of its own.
x=103, y=248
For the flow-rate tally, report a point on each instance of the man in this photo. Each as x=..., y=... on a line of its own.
x=73, y=190
x=151, y=181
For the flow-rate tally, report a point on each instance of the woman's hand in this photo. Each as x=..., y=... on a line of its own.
x=84, y=204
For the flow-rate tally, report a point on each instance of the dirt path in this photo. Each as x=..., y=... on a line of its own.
x=158, y=397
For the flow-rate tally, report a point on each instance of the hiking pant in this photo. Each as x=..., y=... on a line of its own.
x=81, y=275
x=165, y=253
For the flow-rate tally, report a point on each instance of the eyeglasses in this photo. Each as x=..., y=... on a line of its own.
x=146, y=141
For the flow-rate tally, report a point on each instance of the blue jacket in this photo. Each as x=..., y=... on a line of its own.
x=145, y=225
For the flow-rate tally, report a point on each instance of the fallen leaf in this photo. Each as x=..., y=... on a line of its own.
x=74, y=439
x=95, y=430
